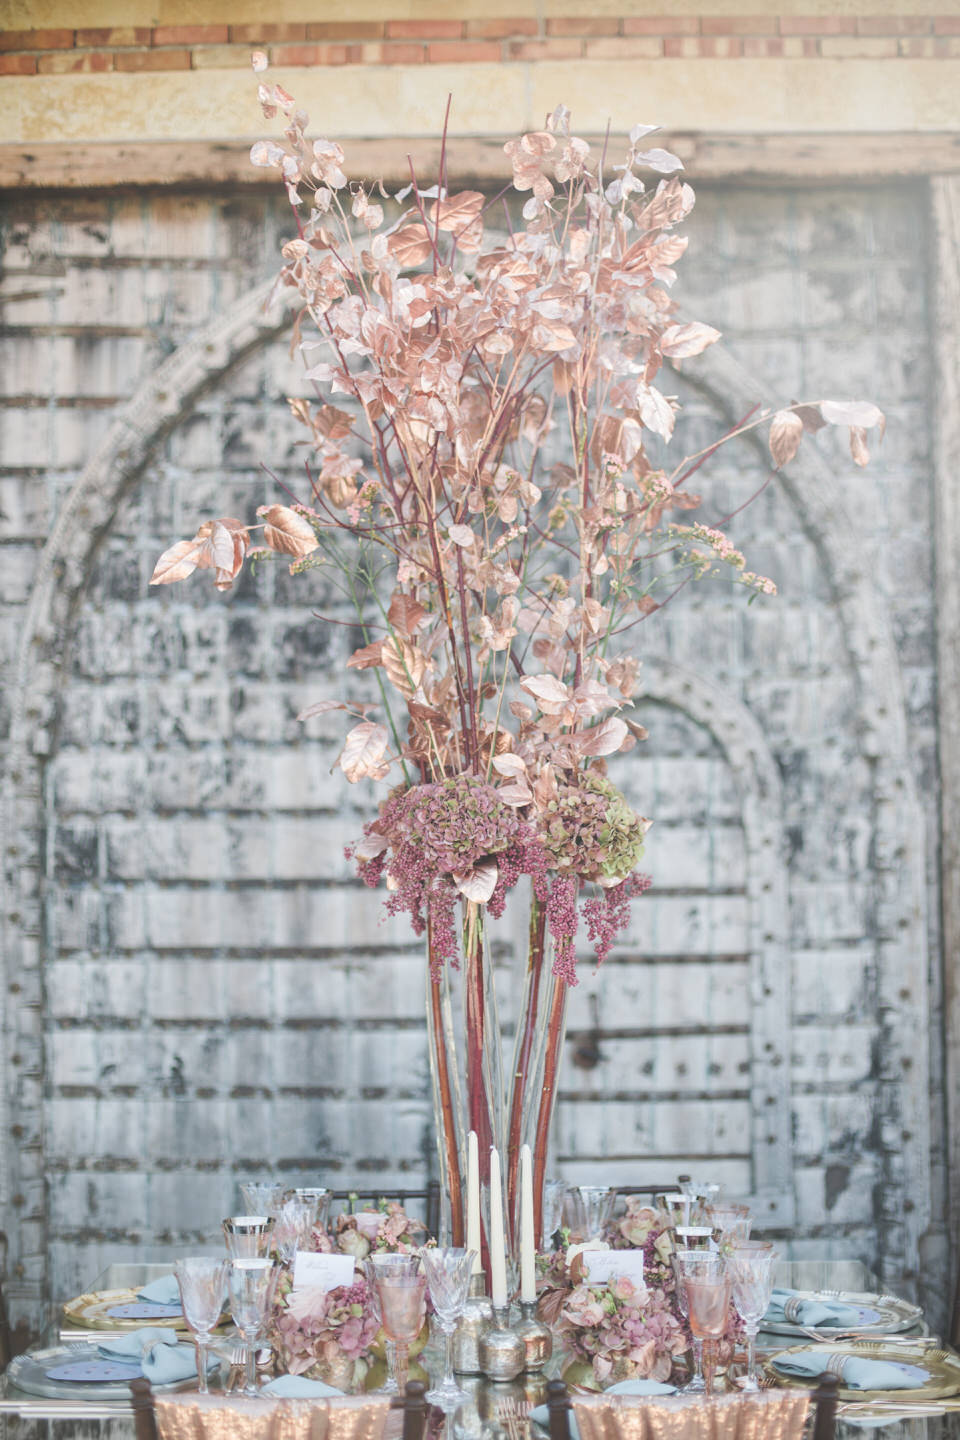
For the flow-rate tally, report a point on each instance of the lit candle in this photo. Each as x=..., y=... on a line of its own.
x=498, y=1253
x=528, y=1273
x=473, y=1200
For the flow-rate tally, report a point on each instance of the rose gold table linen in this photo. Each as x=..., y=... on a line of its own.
x=723, y=1417
x=216, y=1417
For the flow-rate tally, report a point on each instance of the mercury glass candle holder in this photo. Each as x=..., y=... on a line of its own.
x=476, y=1318
x=536, y=1337
x=502, y=1352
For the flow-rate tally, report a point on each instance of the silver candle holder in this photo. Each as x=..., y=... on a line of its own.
x=476, y=1318
x=536, y=1337
x=502, y=1352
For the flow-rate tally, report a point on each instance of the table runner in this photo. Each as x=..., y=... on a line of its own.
x=723, y=1417
x=219, y=1417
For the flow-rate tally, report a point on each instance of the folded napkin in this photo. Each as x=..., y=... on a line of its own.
x=811, y=1312
x=164, y=1291
x=623, y=1387
x=295, y=1387
x=161, y=1359
x=857, y=1373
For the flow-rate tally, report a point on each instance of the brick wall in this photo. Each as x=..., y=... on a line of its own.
x=95, y=50
x=212, y=994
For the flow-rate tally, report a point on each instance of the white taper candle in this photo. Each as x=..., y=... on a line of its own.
x=528, y=1272
x=473, y=1199
x=498, y=1253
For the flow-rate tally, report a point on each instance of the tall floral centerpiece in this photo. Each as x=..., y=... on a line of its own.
x=485, y=486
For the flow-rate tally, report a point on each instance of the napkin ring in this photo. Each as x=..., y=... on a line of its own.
x=791, y=1310
x=835, y=1365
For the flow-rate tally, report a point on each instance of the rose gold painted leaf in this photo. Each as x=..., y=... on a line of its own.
x=371, y=846
x=178, y=562
x=851, y=412
x=363, y=751
x=410, y=245
x=678, y=342
x=287, y=531
x=517, y=793
x=480, y=884
x=405, y=613
x=459, y=211
x=321, y=707
x=258, y=62
x=858, y=445
x=367, y=657
x=603, y=739
x=509, y=764
x=550, y=693
x=786, y=432
x=404, y=665
x=461, y=535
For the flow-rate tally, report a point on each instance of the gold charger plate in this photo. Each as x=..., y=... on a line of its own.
x=89, y=1312
x=943, y=1367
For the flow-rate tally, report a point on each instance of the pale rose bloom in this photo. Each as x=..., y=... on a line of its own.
x=644, y=1357
x=623, y=1288
x=637, y=1224
x=663, y=1246
x=661, y=1368
x=351, y=1242
x=602, y=1366
x=368, y=1223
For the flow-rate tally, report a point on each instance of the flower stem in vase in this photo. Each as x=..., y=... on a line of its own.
x=478, y=1107
x=526, y=1033
x=556, y=1028
x=444, y=1097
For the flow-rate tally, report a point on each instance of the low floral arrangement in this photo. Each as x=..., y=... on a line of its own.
x=332, y=1335
x=326, y=1335
x=622, y=1332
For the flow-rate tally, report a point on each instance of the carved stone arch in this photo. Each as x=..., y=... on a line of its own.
x=899, y=900
x=139, y=426
x=744, y=745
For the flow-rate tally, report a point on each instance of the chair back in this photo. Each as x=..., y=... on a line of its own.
x=192, y=1417
x=773, y=1415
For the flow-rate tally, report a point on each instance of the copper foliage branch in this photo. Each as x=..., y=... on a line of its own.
x=485, y=483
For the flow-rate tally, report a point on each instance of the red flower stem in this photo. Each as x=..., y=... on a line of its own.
x=477, y=1107
x=538, y=926
x=468, y=657
x=547, y=1098
x=451, y=1148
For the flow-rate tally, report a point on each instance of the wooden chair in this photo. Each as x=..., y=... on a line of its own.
x=824, y=1415
x=413, y=1404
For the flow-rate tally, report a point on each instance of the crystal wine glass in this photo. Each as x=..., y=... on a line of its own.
x=203, y=1285
x=262, y=1197
x=293, y=1227
x=693, y=1262
x=251, y=1285
x=396, y=1265
x=401, y=1311
x=592, y=1208
x=750, y=1267
x=247, y=1237
x=708, y=1298
x=316, y=1195
x=448, y=1272
x=733, y=1222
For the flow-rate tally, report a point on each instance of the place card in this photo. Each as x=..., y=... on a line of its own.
x=601, y=1265
x=320, y=1271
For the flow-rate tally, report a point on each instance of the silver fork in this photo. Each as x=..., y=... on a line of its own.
x=237, y=1373
x=515, y=1417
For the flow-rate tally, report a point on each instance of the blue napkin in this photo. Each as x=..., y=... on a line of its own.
x=161, y=1358
x=164, y=1291
x=296, y=1387
x=858, y=1373
x=812, y=1312
x=623, y=1387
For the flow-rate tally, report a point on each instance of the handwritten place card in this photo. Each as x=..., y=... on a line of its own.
x=321, y=1272
x=601, y=1265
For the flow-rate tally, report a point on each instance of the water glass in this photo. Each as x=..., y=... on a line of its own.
x=708, y=1300
x=448, y=1270
x=248, y=1237
x=293, y=1227
x=401, y=1300
x=251, y=1285
x=591, y=1206
x=733, y=1222
x=750, y=1267
x=203, y=1285
x=693, y=1262
x=316, y=1195
x=554, y=1194
x=262, y=1197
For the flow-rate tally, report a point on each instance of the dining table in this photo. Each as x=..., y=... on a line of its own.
x=28, y=1416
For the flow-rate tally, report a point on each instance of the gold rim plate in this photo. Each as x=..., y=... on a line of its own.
x=893, y=1313
x=943, y=1367
x=89, y=1312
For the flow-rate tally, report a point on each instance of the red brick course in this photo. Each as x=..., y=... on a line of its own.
x=738, y=25
x=424, y=29
x=584, y=26
x=267, y=34
x=661, y=25
x=75, y=62
x=346, y=30
x=137, y=60
x=117, y=35
x=456, y=52
x=36, y=39
x=500, y=29
x=190, y=35
x=18, y=64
